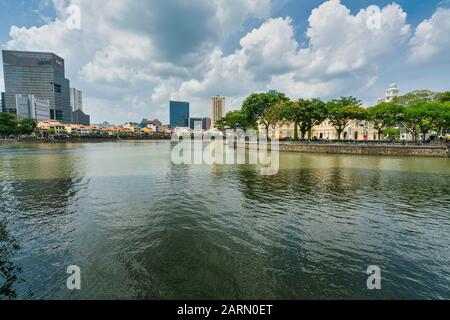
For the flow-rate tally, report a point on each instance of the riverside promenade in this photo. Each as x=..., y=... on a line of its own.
x=440, y=150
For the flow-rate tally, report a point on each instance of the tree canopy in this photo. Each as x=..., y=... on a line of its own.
x=8, y=124
x=421, y=111
x=256, y=105
x=27, y=126
x=384, y=116
x=233, y=120
x=344, y=110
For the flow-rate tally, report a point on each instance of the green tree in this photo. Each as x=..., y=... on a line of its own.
x=384, y=116
x=292, y=113
x=51, y=132
x=392, y=133
x=273, y=116
x=423, y=112
x=8, y=124
x=431, y=112
x=314, y=113
x=420, y=116
x=414, y=96
x=233, y=120
x=444, y=97
x=256, y=105
x=344, y=110
x=27, y=126
x=443, y=122
x=305, y=114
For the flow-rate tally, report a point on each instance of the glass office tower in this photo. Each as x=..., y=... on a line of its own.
x=2, y=106
x=179, y=114
x=40, y=74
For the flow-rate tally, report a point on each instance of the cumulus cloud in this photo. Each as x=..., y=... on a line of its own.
x=131, y=56
x=431, y=38
x=129, y=48
x=342, y=55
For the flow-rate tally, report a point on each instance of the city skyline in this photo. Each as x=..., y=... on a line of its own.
x=134, y=74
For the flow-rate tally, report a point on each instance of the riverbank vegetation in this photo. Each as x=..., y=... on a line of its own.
x=10, y=125
x=418, y=113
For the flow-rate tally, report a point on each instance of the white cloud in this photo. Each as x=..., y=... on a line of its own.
x=131, y=56
x=342, y=55
x=432, y=38
x=135, y=46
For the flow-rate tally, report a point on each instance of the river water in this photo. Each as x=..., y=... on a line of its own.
x=141, y=227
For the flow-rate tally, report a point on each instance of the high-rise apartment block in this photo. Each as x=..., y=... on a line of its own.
x=76, y=99
x=218, y=109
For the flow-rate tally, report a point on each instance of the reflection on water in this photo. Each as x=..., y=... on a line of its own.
x=141, y=227
x=9, y=271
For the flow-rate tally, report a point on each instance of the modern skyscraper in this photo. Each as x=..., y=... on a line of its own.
x=2, y=102
x=76, y=99
x=200, y=123
x=179, y=114
x=195, y=123
x=79, y=117
x=39, y=74
x=30, y=107
x=218, y=109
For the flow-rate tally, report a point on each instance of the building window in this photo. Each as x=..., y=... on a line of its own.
x=57, y=88
x=58, y=114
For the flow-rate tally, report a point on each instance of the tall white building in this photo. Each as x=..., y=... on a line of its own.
x=218, y=109
x=76, y=99
x=390, y=94
x=28, y=106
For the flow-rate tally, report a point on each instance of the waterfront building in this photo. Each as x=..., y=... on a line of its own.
x=78, y=130
x=391, y=93
x=58, y=127
x=217, y=109
x=76, y=99
x=145, y=131
x=134, y=127
x=165, y=129
x=79, y=117
x=154, y=125
x=28, y=106
x=40, y=74
x=179, y=114
x=357, y=130
x=143, y=123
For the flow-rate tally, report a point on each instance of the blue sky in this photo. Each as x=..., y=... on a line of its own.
x=132, y=57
